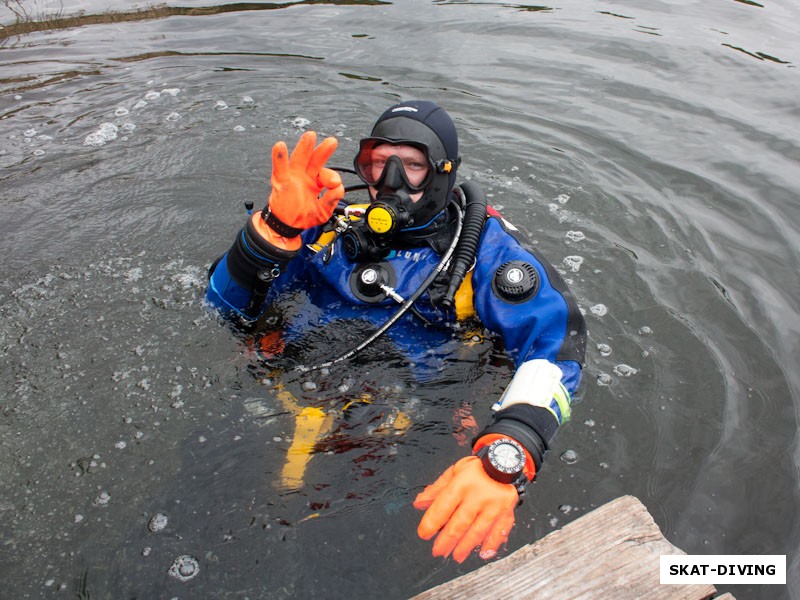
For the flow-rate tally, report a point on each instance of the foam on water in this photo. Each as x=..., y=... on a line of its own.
x=107, y=132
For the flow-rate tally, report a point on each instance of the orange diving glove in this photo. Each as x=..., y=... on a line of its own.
x=295, y=203
x=468, y=508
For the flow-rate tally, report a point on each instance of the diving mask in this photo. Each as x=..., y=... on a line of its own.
x=411, y=161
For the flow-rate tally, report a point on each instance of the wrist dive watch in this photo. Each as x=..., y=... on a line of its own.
x=504, y=460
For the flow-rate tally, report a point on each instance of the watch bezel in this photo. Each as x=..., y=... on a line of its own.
x=495, y=469
x=493, y=447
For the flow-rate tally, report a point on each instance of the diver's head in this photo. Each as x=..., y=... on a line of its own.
x=409, y=161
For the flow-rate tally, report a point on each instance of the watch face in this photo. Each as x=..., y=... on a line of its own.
x=507, y=456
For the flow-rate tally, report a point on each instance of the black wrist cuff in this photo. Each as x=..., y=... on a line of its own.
x=277, y=225
x=538, y=418
x=253, y=261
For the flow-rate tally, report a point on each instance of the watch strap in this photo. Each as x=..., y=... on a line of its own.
x=279, y=226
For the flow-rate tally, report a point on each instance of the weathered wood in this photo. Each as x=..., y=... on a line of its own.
x=611, y=552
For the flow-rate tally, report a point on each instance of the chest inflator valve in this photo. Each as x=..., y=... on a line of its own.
x=369, y=282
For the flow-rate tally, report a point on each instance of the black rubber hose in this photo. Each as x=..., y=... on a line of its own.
x=403, y=307
x=464, y=256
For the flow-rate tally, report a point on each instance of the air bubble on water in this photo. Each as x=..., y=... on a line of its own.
x=624, y=370
x=78, y=518
x=603, y=465
x=102, y=499
x=146, y=551
x=38, y=152
x=29, y=133
x=300, y=122
x=128, y=126
x=158, y=522
x=604, y=379
x=173, y=116
x=106, y=133
x=184, y=568
x=152, y=95
x=190, y=279
x=565, y=508
x=599, y=310
x=569, y=456
x=247, y=100
x=573, y=263
x=120, y=445
x=575, y=236
x=563, y=198
x=553, y=521
x=220, y=105
x=121, y=111
x=589, y=422
x=238, y=128
x=171, y=91
x=309, y=386
x=604, y=349
x=140, y=104
x=645, y=330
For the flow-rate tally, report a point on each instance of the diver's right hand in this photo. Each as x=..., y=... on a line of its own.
x=297, y=201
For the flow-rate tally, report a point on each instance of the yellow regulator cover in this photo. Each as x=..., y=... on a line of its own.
x=380, y=219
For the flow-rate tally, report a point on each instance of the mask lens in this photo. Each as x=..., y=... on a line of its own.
x=373, y=155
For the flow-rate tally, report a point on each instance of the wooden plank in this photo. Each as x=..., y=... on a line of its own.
x=611, y=552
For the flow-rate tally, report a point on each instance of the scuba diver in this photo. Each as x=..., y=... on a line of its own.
x=424, y=253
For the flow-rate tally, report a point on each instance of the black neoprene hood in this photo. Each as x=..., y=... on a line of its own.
x=426, y=123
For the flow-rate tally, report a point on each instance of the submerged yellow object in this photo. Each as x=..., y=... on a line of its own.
x=310, y=425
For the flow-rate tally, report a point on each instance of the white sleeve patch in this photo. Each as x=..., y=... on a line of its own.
x=509, y=225
x=536, y=382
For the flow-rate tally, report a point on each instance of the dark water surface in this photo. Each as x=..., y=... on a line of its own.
x=651, y=152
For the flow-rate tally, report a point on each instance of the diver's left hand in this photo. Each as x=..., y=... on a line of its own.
x=468, y=509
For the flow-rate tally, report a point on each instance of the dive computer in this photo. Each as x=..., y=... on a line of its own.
x=504, y=460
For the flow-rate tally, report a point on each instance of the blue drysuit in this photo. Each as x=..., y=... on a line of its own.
x=545, y=325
